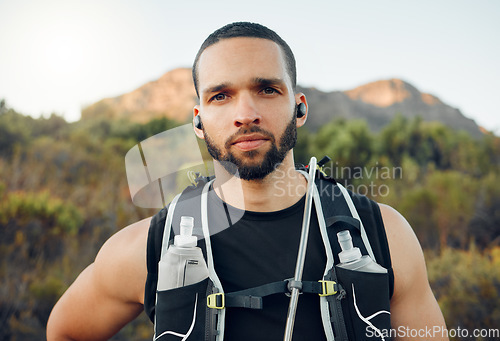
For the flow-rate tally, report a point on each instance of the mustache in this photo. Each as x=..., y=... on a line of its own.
x=245, y=131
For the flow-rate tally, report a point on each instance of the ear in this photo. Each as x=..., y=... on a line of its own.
x=197, y=131
x=301, y=98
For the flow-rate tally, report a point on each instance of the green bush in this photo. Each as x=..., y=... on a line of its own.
x=56, y=216
x=467, y=286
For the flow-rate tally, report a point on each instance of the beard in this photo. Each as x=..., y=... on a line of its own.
x=272, y=158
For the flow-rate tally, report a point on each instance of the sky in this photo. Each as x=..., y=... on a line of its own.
x=59, y=56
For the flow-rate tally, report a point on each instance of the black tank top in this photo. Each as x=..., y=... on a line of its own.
x=262, y=248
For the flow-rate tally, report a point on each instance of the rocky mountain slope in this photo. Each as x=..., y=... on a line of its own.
x=172, y=95
x=378, y=102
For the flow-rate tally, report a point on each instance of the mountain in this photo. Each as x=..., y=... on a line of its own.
x=173, y=96
x=378, y=102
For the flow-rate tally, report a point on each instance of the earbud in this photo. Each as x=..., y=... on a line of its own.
x=197, y=122
x=301, y=110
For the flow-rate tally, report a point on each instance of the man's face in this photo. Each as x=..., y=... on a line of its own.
x=246, y=105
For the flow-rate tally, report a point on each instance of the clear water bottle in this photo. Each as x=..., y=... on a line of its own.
x=183, y=263
x=350, y=257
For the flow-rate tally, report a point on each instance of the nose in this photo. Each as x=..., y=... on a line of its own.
x=246, y=111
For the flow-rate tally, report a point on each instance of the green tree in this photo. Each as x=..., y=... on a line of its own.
x=301, y=151
x=393, y=139
x=14, y=131
x=418, y=206
x=484, y=227
x=456, y=196
x=348, y=143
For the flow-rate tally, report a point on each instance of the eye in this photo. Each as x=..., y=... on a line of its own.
x=219, y=97
x=269, y=91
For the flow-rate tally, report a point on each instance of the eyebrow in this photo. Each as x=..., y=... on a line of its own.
x=256, y=82
x=216, y=88
x=259, y=81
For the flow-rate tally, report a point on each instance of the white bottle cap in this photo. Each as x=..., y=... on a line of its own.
x=349, y=253
x=186, y=238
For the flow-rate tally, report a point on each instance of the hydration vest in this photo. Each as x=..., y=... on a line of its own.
x=354, y=305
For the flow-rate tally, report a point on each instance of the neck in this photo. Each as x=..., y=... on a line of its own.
x=278, y=190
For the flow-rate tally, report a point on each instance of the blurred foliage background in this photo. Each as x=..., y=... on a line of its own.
x=63, y=192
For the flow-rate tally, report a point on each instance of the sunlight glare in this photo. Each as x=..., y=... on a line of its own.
x=64, y=55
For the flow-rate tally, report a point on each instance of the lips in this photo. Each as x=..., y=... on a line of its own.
x=250, y=142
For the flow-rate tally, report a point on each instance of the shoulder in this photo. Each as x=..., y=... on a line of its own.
x=413, y=304
x=399, y=232
x=406, y=253
x=122, y=259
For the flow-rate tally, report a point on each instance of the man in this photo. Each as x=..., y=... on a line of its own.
x=248, y=113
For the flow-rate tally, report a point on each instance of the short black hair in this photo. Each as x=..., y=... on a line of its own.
x=250, y=30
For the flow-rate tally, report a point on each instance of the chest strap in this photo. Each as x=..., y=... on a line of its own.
x=252, y=298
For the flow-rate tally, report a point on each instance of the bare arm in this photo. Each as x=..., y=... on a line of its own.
x=415, y=314
x=108, y=294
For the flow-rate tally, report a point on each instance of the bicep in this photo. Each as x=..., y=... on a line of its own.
x=413, y=305
x=108, y=293
x=86, y=312
x=418, y=315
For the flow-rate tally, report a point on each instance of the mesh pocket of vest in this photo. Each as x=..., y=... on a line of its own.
x=366, y=305
x=182, y=312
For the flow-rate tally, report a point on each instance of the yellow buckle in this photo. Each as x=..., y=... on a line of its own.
x=328, y=288
x=212, y=301
x=322, y=171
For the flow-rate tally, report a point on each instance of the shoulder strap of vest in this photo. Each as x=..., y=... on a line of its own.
x=155, y=241
x=369, y=214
